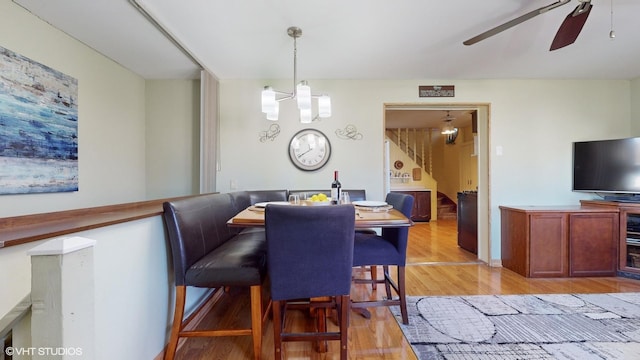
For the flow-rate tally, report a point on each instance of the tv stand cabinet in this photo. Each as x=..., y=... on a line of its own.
x=629, y=238
x=563, y=241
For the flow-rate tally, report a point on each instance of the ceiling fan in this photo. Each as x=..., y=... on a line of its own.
x=567, y=33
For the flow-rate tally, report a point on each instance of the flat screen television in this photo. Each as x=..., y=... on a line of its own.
x=608, y=166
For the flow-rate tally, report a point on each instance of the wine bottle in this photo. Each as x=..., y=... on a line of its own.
x=336, y=188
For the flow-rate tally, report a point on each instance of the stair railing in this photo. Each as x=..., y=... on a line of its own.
x=9, y=322
x=417, y=147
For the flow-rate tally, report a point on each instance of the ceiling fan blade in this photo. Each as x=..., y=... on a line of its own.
x=571, y=26
x=500, y=28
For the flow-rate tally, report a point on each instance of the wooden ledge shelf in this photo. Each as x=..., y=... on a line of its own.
x=27, y=228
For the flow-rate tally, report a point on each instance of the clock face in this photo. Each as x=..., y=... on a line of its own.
x=309, y=150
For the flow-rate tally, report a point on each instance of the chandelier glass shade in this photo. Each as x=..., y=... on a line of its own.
x=448, y=128
x=301, y=93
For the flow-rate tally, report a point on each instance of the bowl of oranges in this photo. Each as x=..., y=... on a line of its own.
x=318, y=199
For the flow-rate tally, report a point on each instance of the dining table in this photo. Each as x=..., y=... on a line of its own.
x=365, y=217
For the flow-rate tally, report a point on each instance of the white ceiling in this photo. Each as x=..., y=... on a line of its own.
x=355, y=39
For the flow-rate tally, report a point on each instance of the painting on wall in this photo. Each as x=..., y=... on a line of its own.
x=38, y=127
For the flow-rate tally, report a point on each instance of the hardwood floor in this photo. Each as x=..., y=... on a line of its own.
x=436, y=266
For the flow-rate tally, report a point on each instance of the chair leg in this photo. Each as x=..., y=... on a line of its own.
x=276, y=307
x=344, y=306
x=374, y=277
x=178, y=313
x=402, y=294
x=385, y=273
x=256, y=320
x=321, y=314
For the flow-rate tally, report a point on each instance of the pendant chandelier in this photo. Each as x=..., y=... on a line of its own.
x=447, y=128
x=301, y=92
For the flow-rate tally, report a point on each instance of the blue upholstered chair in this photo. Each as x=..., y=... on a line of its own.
x=388, y=249
x=310, y=255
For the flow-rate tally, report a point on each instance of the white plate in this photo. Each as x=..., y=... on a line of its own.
x=264, y=204
x=369, y=203
x=374, y=208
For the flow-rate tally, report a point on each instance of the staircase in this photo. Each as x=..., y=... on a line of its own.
x=447, y=209
x=416, y=144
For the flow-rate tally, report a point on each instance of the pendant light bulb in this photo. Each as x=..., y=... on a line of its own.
x=612, y=33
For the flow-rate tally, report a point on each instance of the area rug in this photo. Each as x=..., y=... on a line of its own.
x=554, y=326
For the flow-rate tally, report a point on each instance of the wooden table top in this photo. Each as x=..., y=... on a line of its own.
x=252, y=217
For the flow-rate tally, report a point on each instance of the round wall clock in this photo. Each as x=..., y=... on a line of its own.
x=309, y=150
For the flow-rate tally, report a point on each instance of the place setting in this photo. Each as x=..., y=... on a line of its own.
x=261, y=206
x=372, y=205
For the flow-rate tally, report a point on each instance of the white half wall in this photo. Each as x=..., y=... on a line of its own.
x=133, y=287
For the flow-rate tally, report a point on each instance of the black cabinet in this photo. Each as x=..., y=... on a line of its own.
x=630, y=244
x=468, y=221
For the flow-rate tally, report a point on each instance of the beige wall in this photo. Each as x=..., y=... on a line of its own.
x=111, y=117
x=172, y=138
x=635, y=107
x=534, y=121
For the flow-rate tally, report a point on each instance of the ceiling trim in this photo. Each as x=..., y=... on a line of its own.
x=147, y=15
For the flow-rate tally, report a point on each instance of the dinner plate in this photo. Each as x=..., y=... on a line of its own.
x=369, y=203
x=264, y=204
x=374, y=208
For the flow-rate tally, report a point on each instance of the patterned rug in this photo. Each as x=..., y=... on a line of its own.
x=555, y=326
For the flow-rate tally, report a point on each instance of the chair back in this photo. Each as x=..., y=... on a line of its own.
x=354, y=194
x=309, y=250
x=399, y=236
x=196, y=226
x=243, y=199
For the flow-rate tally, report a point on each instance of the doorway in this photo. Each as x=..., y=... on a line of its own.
x=482, y=111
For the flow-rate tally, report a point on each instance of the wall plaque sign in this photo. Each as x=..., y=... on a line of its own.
x=436, y=91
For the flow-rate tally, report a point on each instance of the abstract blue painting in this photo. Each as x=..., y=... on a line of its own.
x=38, y=127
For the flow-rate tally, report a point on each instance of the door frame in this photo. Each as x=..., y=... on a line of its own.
x=484, y=194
